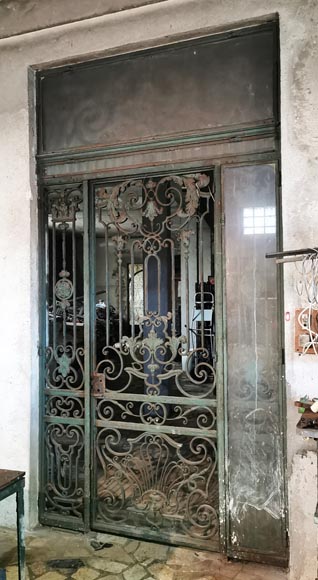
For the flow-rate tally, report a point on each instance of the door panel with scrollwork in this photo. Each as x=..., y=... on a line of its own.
x=153, y=381
x=63, y=396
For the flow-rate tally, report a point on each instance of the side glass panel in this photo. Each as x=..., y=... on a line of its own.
x=256, y=502
x=62, y=493
x=154, y=393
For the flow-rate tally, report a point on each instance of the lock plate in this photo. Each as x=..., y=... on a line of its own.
x=98, y=385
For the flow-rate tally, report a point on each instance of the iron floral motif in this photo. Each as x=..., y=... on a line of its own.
x=63, y=492
x=181, y=195
x=63, y=204
x=159, y=479
x=64, y=288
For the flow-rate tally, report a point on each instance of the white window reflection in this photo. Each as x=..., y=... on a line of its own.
x=136, y=282
x=259, y=220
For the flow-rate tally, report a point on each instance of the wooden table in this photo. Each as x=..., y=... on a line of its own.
x=13, y=482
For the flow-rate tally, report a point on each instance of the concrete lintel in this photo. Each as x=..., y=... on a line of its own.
x=22, y=16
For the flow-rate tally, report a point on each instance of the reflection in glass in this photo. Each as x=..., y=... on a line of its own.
x=253, y=360
x=136, y=291
x=259, y=220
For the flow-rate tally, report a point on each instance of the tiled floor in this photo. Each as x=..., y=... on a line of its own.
x=50, y=554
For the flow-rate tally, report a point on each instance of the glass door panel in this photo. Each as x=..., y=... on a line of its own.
x=254, y=379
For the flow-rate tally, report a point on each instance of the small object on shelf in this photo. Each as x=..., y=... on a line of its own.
x=306, y=330
x=309, y=418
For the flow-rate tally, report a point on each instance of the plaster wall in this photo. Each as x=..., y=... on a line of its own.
x=20, y=16
x=157, y=23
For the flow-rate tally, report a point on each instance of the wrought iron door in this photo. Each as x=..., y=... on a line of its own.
x=129, y=361
x=153, y=386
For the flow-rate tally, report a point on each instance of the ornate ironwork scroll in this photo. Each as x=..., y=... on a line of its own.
x=155, y=424
x=63, y=467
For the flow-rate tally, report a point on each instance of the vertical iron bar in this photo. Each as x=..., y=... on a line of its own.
x=87, y=345
x=64, y=268
x=44, y=255
x=91, y=437
x=106, y=282
x=120, y=309
x=54, y=282
x=146, y=306
x=186, y=250
x=173, y=290
x=201, y=279
x=132, y=290
x=281, y=343
x=158, y=283
x=74, y=281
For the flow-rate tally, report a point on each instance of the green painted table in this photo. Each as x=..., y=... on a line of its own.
x=13, y=482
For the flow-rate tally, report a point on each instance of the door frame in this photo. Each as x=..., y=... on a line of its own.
x=229, y=550
x=222, y=441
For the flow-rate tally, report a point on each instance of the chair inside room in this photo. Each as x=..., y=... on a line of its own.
x=202, y=324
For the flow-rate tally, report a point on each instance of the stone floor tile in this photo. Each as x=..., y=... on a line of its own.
x=249, y=576
x=230, y=569
x=131, y=546
x=38, y=568
x=178, y=555
x=137, y=572
x=150, y=551
x=111, y=539
x=199, y=576
x=106, y=565
x=85, y=573
x=115, y=553
x=206, y=555
x=266, y=572
x=208, y=578
x=147, y=563
x=188, y=557
x=57, y=545
x=119, y=563
x=112, y=577
x=163, y=572
x=213, y=564
x=52, y=576
x=12, y=573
